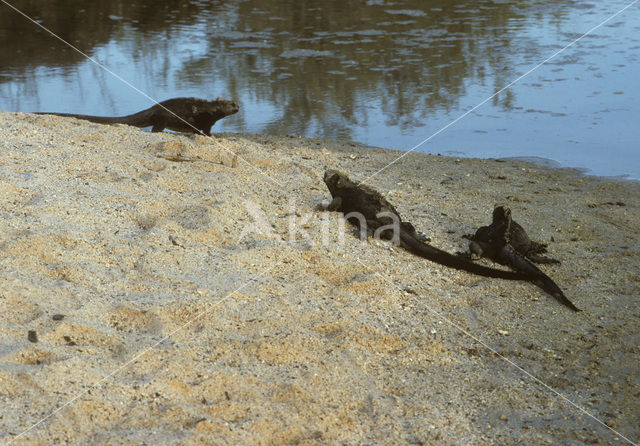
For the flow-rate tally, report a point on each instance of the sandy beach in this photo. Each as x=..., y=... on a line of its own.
x=159, y=288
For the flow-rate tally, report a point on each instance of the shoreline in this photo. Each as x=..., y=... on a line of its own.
x=534, y=160
x=196, y=335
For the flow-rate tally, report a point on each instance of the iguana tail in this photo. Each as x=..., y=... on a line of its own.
x=549, y=286
x=444, y=258
x=90, y=118
x=518, y=262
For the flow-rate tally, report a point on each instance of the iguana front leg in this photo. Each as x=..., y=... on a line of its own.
x=476, y=250
x=335, y=204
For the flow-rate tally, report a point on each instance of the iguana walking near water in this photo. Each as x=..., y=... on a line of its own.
x=363, y=205
x=506, y=242
x=191, y=115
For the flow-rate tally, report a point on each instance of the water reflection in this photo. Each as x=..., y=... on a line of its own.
x=387, y=74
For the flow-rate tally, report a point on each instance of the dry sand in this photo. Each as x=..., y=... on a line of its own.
x=175, y=331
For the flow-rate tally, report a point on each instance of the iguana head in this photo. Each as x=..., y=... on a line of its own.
x=501, y=213
x=335, y=180
x=220, y=105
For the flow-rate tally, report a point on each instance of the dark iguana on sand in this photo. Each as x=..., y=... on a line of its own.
x=506, y=242
x=180, y=114
x=370, y=211
x=518, y=237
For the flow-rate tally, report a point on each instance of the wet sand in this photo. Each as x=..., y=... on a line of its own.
x=170, y=328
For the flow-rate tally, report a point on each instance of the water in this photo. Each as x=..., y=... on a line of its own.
x=385, y=74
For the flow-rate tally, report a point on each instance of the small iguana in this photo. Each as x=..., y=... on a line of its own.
x=518, y=237
x=364, y=206
x=506, y=242
x=194, y=115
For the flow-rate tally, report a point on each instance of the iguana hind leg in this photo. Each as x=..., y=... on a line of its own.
x=410, y=229
x=537, y=247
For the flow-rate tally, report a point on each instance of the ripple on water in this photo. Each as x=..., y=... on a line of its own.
x=290, y=54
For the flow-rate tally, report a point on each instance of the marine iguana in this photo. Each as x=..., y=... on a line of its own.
x=180, y=114
x=507, y=243
x=518, y=237
x=369, y=210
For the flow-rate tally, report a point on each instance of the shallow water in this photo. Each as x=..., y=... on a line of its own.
x=385, y=74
